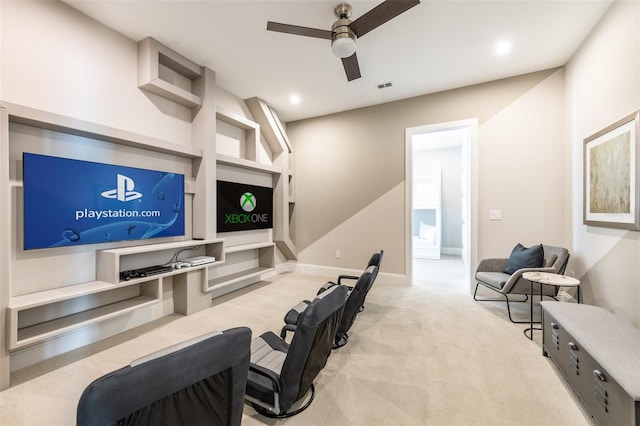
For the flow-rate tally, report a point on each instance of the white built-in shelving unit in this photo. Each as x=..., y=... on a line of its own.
x=104, y=304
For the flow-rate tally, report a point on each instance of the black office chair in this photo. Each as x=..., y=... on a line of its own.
x=281, y=374
x=374, y=260
x=352, y=307
x=364, y=285
x=197, y=382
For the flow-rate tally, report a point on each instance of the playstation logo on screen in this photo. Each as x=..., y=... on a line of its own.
x=124, y=190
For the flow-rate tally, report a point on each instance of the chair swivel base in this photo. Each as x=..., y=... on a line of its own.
x=267, y=413
x=340, y=342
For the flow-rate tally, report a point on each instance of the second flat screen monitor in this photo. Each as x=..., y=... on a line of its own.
x=243, y=207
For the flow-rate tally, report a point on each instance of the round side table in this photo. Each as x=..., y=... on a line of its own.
x=546, y=278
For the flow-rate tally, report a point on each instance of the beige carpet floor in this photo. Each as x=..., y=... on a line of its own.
x=418, y=355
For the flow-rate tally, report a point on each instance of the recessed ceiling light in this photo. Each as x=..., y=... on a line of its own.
x=503, y=47
x=294, y=99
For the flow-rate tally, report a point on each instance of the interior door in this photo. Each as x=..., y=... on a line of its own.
x=464, y=175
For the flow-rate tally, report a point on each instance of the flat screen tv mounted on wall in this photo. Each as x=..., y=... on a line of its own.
x=73, y=202
x=242, y=207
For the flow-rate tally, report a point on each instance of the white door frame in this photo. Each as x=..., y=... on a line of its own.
x=471, y=165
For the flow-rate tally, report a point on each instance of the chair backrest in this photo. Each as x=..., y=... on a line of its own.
x=556, y=258
x=200, y=381
x=376, y=260
x=356, y=299
x=311, y=344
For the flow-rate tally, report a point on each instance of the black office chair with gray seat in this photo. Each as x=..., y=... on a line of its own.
x=281, y=374
x=374, y=260
x=197, y=382
x=291, y=318
x=352, y=307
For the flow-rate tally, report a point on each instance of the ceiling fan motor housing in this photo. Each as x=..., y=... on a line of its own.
x=343, y=39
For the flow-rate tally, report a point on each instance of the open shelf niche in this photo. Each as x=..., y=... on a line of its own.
x=166, y=73
x=284, y=195
x=243, y=265
x=245, y=152
x=36, y=317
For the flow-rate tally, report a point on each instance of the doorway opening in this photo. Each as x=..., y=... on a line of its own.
x=439, y=209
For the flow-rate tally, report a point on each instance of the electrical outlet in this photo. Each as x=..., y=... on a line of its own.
x=338, y=254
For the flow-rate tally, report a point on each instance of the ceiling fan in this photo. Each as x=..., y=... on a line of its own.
x=344, y=32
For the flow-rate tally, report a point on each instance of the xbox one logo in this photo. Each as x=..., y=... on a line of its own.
x=248, y=202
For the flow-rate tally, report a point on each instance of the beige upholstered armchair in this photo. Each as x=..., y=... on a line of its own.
x=491, y=274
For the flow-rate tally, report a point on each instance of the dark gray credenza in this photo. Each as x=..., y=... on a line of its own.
x=599, y=354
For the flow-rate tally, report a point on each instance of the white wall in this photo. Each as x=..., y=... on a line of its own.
x=603, y=86
x=521, y=172
x=58, y=60
x=349, y=167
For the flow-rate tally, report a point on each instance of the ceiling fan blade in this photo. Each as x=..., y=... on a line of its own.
x=351, y=67
x=297, y=30
x=380, y=14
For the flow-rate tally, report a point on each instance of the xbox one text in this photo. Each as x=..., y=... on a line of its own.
x=246, y=218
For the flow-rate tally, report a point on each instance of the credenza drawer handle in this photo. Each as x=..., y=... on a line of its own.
x=554, y=325
x=573, y=346
x=599, y=375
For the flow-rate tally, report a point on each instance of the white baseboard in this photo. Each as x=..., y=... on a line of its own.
x=332, y=272
x=285, y=267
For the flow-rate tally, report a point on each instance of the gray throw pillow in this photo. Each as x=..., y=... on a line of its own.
x=522, y=257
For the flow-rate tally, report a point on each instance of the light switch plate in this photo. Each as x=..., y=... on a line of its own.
x=495, y=214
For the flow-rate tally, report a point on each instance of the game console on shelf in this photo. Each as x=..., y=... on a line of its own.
x=196, y=261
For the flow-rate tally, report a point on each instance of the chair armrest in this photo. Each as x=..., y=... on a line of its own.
x=513, y=279
x=492, y=265
x=519, y=272
x=264, y=372
x=326, y=286
x=346, y=277
x=294, y=313
x=287, y=327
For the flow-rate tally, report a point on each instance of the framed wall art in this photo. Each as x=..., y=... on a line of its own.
x=611, y=163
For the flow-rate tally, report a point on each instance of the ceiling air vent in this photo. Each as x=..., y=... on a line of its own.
x=384, y=85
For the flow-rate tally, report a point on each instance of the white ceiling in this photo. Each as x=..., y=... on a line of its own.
x=435, y=46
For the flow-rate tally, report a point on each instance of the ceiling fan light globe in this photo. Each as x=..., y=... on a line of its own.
x=343, y=47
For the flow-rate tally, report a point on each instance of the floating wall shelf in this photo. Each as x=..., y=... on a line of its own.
x=167, y=73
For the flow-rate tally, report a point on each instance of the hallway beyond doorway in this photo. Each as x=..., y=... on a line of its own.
x=447, y=273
